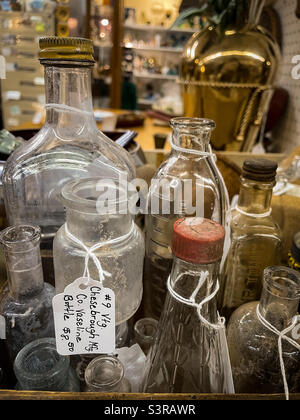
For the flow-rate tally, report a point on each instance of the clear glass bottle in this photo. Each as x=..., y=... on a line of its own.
x=106, y=374
x=190, y=350
x=26, y=304
x=255, y=238
x=145, y=330
x=68, y=146
x=38, y=367
x=196, y=187
x=254, y=348
x=123, y=259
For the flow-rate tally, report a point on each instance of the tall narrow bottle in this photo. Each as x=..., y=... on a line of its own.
x=190, y=353
x=27, y=303
x=68, y=146
x=189, y=184
x=255, y=237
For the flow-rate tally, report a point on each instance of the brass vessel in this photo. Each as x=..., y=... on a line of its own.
x=228, y=75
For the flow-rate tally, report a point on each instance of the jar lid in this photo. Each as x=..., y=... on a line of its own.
x=260, y=170
x=296, y=247
x=197, y=240
x=65, y=49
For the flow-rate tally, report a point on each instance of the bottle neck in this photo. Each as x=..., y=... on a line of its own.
x=94, y=228
x=188, y=279
x=255, y=197
x=280, y=296
x=21, y=247
x=68, y=87
x=25, y=273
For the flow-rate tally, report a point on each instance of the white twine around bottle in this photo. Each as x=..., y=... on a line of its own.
x=282, y=335
x=90, y=252
x=220, y=326
x=192, y=151
x=254, y=215
x=62, y=107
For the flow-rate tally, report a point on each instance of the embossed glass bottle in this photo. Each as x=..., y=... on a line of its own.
x=38, y=367
x=188, y=183
x=255, y=237
x=106, y=374
x=68, y=146
x=190, y=351
x=254, y=349
x=27, y=303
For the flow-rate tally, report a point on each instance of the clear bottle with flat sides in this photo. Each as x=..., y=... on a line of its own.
x=26, y=304
x=68, y=146
x=256, y=240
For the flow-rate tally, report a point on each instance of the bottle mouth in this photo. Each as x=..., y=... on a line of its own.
x=39, y=362
x=95, y=196
x=146, y=329
x=104, y=372
x=22, y=236
x=193, y=124
x=283, y=282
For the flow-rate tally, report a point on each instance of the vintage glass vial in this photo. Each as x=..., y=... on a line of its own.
x=145, y=330
x=38, y=367
x=106, y=374
x=255, y=237
x=190, y=350
x=26, y=304
x=68, y=146
x=123, y=259
x=254, y=349
x=188, y=183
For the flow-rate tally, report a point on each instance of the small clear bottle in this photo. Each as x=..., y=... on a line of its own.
x=38, y=367
x=26, y=304
x=190, y=351
x=254, y=349
x=106, y=374
x=123, y=259
x=256, y=240
x=145, y=331
x=188, y=183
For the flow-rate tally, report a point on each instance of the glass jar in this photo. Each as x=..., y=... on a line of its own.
x=145, y=331
x=68, y=146
x=256, y=241
x=188, y=183
x=106, y=374
x=254, y=348
x=123, y=259
x=294, y=254
x=26, y=304
x=38, y=367
x=190, y=350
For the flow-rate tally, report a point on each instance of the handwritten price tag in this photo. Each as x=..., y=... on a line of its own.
x=84, y=317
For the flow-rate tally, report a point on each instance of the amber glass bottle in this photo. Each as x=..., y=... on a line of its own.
x=255, y=237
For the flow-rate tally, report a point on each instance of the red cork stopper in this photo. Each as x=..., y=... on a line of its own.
x=197, y=240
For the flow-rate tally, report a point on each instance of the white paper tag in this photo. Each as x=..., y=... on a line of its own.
x=2, y=328
x=84, y=317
